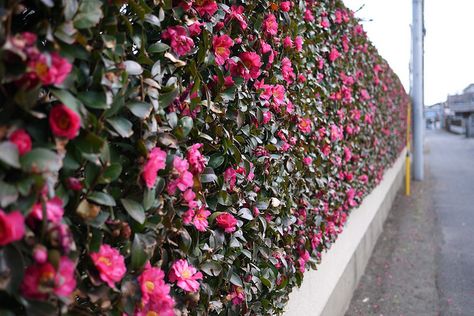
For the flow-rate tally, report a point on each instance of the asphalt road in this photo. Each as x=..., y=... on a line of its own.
x=423, y=263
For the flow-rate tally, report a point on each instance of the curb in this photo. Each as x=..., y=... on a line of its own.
x=328, y=290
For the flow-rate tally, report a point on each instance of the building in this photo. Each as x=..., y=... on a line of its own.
x=461, y=110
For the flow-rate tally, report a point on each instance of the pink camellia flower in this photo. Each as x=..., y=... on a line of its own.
x=236, y=13
x=325, y=23
x=278, y=93
x=270, y=25
x=40, y=254
x=156, y=162
x=12, y=227
x=41, y=280
x=185, y=276
x=285, y=6
x=155, y=290
x=364, y=178
x=248, y=67
x=299, y=43
x=222, y=45
x=110, y=264
x=350, y=195
x=200, y=219
x=334, y=54
x=65, y=283
x=267, y=48
x=305, y=125
x=50, y=70
x=188, y=216
x=307, y=161
x=308, y=16
x=364, y=94
x=227, y=222
x=287, y=42
x=184, y=178
x=74, y=184
x=287, y=70
x=347, y=154
x=301, y=78
x=304, y=257
x=195, y=28
x=336, y=133
x=267, y=117
x=179, y=40
x=204, y=7
x=285, y=147
x=237, y=296
x=64, y=122
x=230, y=176
x=22, y=140
x=196, y=160
x=54, y=210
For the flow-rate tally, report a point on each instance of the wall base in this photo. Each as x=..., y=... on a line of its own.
x=328, y=290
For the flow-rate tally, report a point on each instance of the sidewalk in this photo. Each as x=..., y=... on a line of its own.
x=423, y=263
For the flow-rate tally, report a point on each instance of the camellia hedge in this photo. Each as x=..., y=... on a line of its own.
x=182, y=157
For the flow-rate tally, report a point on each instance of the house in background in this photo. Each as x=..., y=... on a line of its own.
x=461, y=112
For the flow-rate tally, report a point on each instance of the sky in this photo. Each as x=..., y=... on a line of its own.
x=449, y=44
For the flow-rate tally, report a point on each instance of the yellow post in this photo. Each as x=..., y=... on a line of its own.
x=407, y=159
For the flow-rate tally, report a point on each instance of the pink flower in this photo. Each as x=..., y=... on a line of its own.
x=287, y=70
x=185, y=275
x=287, y=42
x=299, y=43
x=236, y=14
x=227, y=222
x=350, y=195
x=222, y=45
x=305, y=125
x=195, y=28
x=308, y=16
x=204, y=7
x=248, y=67
x=52, y=70
x=54, y=210
x=110, y=264
x=155, y=290
x=237, y=296
x=285, y=147
x=189, y=196
x=196, y=159
x=179, y=40
x=230, y=176
x=304, y=257
x=200, y=219
x=40, y=280
x=64, y=122
x=188, y=216
x=74, y=184
x=12, y=227
x=267, y=116
x=333, y=55
x=285, y=6
x=364, y=178
x=325, y=23
x=336, y=133
x=184, y=178
x=347, y=154
x=270, y=25
x=307, y=161
x=40, y=254
x=22, y=140
x=156, y=162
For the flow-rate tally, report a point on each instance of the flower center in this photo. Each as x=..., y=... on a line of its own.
x=41, y=69
x=186, y=274
x=152, y=313
x=150, y=286
x=63, y=122
x=220, y=50
x=105, y=261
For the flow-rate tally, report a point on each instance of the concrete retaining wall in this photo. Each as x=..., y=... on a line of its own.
x=328, y=290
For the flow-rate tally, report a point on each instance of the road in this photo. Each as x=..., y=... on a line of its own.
x=423, y=263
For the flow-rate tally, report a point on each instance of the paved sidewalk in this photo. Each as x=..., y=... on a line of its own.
x=423, y=263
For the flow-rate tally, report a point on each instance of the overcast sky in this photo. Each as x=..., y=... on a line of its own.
x=449, y=41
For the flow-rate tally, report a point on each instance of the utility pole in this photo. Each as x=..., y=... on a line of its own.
x=417, y=33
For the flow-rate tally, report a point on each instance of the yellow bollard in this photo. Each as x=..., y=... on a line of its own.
x=407, y=159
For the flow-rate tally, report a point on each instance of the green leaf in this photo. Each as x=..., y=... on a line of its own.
x=122, y=126
x=94, y=99
x=165, y=99
x=8, y=194
x=68, y=99
x=158, y=48
x=101, y=198
x=141, y=110
x=245, y=213
x=215, y=161
x=211, y=268
x=9, y=154
x=139, y=256
x=41, y=160
x=208, y=175
x=236, y=280
x=89, y=14
x=185, y=125
x=90, y=143
x=133, y=68
x=224, y=198
x=111, y=173
x=134, y=209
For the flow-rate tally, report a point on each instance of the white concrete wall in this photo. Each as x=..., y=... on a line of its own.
x=328, y=290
